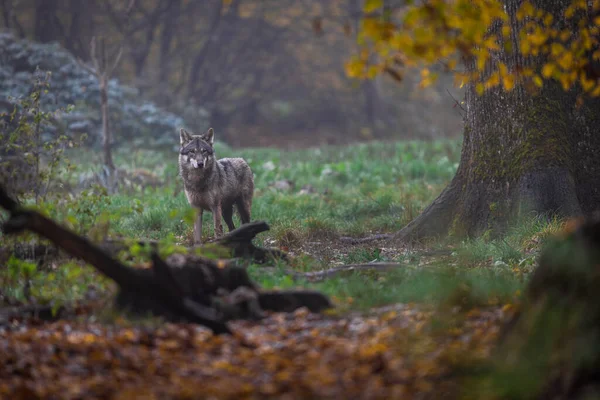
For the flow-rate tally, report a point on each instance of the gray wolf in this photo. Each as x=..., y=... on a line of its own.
x=214, y=185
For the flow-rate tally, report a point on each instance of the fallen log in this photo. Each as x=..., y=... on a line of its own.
x=187, y=288
x=333, y=272
x=153, y=293
x=240, y=241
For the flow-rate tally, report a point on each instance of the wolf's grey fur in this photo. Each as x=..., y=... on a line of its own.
x=214, y=185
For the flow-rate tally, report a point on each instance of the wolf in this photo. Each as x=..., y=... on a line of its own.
x=214, y=185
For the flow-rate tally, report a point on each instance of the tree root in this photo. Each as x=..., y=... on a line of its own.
x=367, y=239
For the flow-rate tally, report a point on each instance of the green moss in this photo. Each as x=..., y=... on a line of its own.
x=457, y=227
x=534, y=136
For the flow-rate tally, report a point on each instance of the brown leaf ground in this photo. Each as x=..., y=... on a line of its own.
x=401, y=351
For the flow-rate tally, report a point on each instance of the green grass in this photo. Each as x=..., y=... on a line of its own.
x=360, y=188
x=357, y=190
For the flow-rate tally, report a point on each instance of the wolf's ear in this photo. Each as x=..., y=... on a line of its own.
x=210, y=136
x=184, y=136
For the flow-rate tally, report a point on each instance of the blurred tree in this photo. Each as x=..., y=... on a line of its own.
x=48, y=26
x=532, y=110
x=261, y=71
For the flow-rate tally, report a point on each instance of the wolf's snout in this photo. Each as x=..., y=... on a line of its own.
x=197, y=164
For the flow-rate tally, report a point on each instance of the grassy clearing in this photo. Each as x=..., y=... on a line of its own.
x=347, y=190
x=353, y=190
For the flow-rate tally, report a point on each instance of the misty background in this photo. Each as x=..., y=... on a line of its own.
x=261, y=72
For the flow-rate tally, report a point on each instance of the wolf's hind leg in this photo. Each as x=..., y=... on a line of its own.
x=228, y=217
x=198, y=227
x=243, y=206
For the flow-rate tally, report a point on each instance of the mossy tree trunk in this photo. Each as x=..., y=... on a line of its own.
x=524, y=153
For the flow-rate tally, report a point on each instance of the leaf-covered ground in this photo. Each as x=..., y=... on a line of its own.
x=400, y=351
x=442, y=309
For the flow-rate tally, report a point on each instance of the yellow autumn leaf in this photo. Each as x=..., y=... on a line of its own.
x=508, y=82
x=372, y=5
x=371, y=27
x=503, y=69
x=569, y=12
x=452, y=64
x=491, y=44
x=527, y=71
x=479, y=88
x=525, y=10
x=538, y=37
x=565, y=82
x=354, y=68
x=537, y=80
x=565, y=35
x=547, y=70
x=372, y=71
x=481, y=60
x=493, y=80
x=566, y=61
x=556, y=49
x=587, y=84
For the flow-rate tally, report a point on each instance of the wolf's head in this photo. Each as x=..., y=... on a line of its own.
x=197, y=151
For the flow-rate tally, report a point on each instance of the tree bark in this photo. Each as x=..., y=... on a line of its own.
x=523, y=154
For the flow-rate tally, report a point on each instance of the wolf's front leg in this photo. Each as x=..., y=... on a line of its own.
x=217, y=218
x=198, y=227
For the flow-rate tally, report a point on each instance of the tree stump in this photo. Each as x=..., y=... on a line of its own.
x=551, y=348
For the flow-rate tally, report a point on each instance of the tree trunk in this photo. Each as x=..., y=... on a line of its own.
x=523, y=154
x=201, y=56
x=169, y=27
x=6, y=7
x=81, y=27
x=47, y=24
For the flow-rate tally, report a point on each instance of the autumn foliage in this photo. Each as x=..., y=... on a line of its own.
x=462, y=32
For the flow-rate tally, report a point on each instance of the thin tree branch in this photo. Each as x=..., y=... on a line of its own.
x=116, y=62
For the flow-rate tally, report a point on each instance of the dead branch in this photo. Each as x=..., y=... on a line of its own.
x=290, y=300
x=153, y=292
x=240, y=241
x=332, y=272
x=7, y=202
x=372, y=238
x=188, y=288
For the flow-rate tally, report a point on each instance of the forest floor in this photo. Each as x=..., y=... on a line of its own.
x=423, y=330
